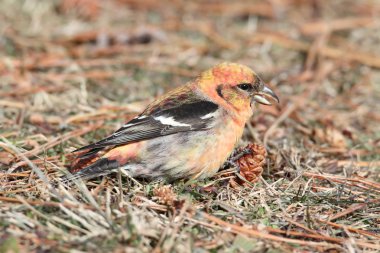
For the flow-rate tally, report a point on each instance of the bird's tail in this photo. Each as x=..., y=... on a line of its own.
x=90, y=164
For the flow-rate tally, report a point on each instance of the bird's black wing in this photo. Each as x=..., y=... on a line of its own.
x=188, y=116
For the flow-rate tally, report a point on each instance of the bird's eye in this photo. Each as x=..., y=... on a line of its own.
x=245, y=86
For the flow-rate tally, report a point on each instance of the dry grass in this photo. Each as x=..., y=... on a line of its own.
x=69, y=77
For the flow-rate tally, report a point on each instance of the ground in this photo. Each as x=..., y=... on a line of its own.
x=73, y=71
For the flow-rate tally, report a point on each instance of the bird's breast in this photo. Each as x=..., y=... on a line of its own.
x=192, y=154
x=219, y=148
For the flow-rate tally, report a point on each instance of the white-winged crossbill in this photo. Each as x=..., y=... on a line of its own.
x=187, y=133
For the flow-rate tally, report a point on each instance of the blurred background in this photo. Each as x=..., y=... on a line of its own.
x=73, y=71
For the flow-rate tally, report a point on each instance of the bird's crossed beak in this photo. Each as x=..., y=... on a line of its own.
x=263, y=96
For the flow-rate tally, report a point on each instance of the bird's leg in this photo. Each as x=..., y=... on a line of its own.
x=240, y=152
x=235, y=156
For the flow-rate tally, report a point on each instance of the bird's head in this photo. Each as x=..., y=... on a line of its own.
x=235, y=86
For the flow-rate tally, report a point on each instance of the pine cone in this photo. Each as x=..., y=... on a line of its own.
x=250, y=164
x=164, y=195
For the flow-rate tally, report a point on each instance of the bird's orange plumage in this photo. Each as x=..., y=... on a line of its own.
x=187, y=133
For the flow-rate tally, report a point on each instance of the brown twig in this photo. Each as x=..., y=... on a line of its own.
x=351, y=229
x=56, y=141
x=327, y=51
x=45, y=203
x=259, y=234
x=351, y=209
x=339, y=179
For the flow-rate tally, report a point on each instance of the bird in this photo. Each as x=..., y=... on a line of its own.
x=187, y=133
